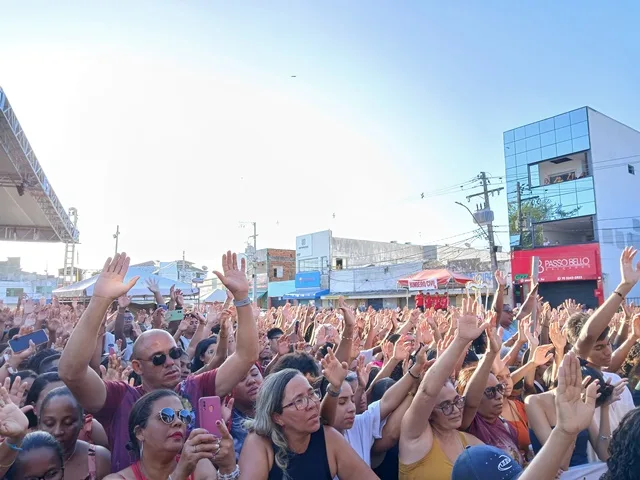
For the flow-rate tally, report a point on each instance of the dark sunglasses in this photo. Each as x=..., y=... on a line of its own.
x=168, y=415
x=492, y=392
x=159, y=358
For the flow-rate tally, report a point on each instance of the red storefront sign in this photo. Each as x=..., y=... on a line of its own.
x=559, y=264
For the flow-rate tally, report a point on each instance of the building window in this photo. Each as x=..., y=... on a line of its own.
x=278, y=272
x=631, y=169
x=339, y=264
x=15, y=292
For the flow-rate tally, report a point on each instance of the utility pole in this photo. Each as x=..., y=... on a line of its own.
x=182, y=268
x=487, y=206
x=254, y=259
x=255, y=262
x=116, y=235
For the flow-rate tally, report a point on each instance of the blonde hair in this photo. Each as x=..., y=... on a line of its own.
x=269, y=401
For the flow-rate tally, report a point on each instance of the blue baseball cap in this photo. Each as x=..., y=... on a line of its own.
x=485, y=462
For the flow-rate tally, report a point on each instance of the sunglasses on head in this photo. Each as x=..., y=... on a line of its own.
x=168, y=415
x=159, y=358
x=492, y=392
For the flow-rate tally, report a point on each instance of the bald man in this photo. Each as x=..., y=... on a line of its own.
x=155, y=357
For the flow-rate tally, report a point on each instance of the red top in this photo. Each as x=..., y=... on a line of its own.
x=428, y=301
x=419, y=300
x=140, y=476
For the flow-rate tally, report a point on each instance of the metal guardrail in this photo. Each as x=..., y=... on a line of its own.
x=47, y=200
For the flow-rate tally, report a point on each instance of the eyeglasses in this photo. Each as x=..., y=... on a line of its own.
x=168, y=415
x=447, y=407
x=492, y=392
x=159, y=358
x=302, y=403
x=53, y=474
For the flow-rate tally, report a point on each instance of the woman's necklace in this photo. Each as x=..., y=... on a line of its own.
x=72, y=453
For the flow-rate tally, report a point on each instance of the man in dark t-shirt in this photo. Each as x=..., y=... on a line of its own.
x=155, y=357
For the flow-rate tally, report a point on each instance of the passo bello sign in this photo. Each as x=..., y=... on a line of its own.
x=559, y=264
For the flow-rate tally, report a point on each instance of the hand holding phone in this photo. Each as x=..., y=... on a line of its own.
x=22, y=343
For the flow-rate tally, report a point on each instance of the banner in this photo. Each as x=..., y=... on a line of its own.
x=428, y=284
x=559, y=264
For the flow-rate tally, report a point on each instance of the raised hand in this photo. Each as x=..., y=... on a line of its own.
x=630, y=275
x=110, y=281
x=283, y=345
x=542, y=355
x=558, y=337
x=234, y=277
x=618, y=390
x=347, y=313
x=13, y=421
x=334, y=370
x=501, y=278
x=17, y=390
x=573, y=411
x=470, y=326
x=224, y=457
x=152, y=285
x=124, y=301
x=635, y=326
x=402, y=349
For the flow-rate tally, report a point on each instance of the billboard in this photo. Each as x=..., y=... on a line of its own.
x=559, y=264
x=308, y=280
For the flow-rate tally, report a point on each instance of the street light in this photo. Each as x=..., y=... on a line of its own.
x=474, y=219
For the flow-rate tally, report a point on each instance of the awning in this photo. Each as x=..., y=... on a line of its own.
x=442, y=276
x=305, y=294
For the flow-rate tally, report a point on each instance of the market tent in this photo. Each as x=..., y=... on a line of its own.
x=84, y=288
x=442, y=276
x=218, y=295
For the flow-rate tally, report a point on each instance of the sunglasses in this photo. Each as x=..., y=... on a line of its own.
x=159, y=358
x=168, y=415
x=492, y=392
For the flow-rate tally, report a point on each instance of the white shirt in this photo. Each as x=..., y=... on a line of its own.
x=185, y=342
x=616, y=412
x=366, y=428
x=109, y=341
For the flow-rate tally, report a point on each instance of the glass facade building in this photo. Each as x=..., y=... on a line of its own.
x=548, y=161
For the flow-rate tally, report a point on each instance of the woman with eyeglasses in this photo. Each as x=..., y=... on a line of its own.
x=513, y=409
x=542, y=420
x=287, y=440
x=62, y=417
x=431, y=438
x=162, y=447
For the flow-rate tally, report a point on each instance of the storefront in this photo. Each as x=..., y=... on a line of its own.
x=564, y=272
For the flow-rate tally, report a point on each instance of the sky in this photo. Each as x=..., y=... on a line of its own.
x=177, y=120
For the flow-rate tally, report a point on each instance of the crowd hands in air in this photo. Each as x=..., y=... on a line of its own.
x=319, y=393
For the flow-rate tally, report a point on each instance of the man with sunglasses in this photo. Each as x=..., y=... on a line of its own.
x=155, y=358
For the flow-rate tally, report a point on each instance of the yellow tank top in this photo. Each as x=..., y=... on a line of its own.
x=435, y=465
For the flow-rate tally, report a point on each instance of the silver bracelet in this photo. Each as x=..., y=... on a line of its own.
x=605, y=437
x=242, y=303
x=230, y=476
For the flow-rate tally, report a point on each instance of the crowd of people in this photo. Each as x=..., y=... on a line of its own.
x=121, y=392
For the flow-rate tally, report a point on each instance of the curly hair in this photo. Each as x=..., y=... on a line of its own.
x=624, y=462
x=630, y=364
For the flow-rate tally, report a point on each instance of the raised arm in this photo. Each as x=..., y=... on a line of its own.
x=239, y=363
x=573, y=412
x=416, y=420
x=620, y=354
x=348, y=462
x=343, y=353
x=478, y=381
x=602, y=316
x=85, y=384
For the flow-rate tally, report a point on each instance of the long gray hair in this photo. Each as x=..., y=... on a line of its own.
x=269, y=401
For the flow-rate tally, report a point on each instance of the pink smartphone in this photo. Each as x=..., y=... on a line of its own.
x=209, y=412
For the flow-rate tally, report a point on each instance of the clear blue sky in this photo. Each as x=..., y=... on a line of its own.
x=391, y=99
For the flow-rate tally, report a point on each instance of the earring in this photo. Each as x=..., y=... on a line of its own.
x=141, y=448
